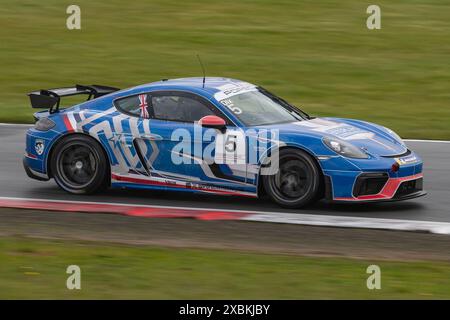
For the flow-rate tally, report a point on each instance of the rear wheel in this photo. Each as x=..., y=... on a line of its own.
x=298, y=181
x=79, y=165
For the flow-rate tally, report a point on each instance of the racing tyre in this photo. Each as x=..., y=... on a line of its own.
x=79, y=165
x=298, y=181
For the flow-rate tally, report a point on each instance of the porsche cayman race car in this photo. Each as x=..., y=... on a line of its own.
x=215, y=136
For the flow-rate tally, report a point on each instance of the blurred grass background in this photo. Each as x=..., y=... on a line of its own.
x=317, y=54
x=36, y=269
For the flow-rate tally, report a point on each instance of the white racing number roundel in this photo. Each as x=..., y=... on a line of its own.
x=230, y=147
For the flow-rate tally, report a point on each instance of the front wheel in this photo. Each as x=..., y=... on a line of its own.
x=79, y=165
x=298, y=181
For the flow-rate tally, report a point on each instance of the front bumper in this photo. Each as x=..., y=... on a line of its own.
x=374, y=180
x=393, y=189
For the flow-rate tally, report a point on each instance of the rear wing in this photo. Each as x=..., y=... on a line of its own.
x=51, y=98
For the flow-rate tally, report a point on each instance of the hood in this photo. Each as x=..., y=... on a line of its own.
x=370, y=137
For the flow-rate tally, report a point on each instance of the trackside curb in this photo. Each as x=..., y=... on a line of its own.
x=149, y=211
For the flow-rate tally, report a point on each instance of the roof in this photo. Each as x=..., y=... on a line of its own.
x=215, y=87
x=212, y=84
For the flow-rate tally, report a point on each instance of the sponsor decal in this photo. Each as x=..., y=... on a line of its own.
x=345, y=131
x=340, y=130
x=179, y=184
x=232, y=89
x=406, y=160
x=39, y=146
x=230, y=105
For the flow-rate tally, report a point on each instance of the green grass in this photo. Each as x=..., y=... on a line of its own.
x=36, y=269
x=316, y=54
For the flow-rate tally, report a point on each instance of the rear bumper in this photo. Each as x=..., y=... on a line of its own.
x=33, y=173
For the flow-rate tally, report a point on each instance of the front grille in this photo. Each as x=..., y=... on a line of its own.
x=409, y=187
x=369, y=184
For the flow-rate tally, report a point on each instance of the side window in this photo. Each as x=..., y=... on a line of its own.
x=176, y=107
x=134, y=105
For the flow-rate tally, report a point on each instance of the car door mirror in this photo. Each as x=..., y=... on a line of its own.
x=214, y=122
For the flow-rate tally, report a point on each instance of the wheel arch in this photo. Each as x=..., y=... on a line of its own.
x=71, y=134
x=260, y=186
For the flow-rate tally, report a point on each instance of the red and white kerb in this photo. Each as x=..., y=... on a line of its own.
x=143, y=105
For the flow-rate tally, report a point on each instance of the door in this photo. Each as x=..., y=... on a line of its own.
x=189, y=152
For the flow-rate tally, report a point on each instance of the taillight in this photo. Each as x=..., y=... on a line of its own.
x=44, y=124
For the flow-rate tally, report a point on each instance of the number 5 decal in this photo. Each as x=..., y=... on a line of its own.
x=230, y=105
x=230, y=147
x=230, y=143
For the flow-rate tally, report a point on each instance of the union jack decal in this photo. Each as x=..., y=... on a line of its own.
x=144, y=106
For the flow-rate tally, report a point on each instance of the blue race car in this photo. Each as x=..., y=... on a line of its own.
x=217, y=136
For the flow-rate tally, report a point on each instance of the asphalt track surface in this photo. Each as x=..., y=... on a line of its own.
x=433, y=207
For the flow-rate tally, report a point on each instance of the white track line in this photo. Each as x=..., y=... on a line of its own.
x=297, y=218
x=16, y=124
x=352, y=222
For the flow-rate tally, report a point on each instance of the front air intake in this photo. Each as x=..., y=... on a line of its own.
x=409, y=187
x=369, y=184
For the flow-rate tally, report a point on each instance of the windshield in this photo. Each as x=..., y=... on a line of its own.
x=259, y=107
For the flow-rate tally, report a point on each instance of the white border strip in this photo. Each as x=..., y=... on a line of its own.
x=296, y=218
x=419, y=140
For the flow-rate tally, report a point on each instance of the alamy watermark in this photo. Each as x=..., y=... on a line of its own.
x=231, y=147
x=373, y=22
x=73, y=21
x=374, y=280
x=73, y=282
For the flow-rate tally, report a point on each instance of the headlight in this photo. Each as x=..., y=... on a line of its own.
x=44, y=124
x=344, y=148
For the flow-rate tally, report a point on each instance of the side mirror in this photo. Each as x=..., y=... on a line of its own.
x=214, y=122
